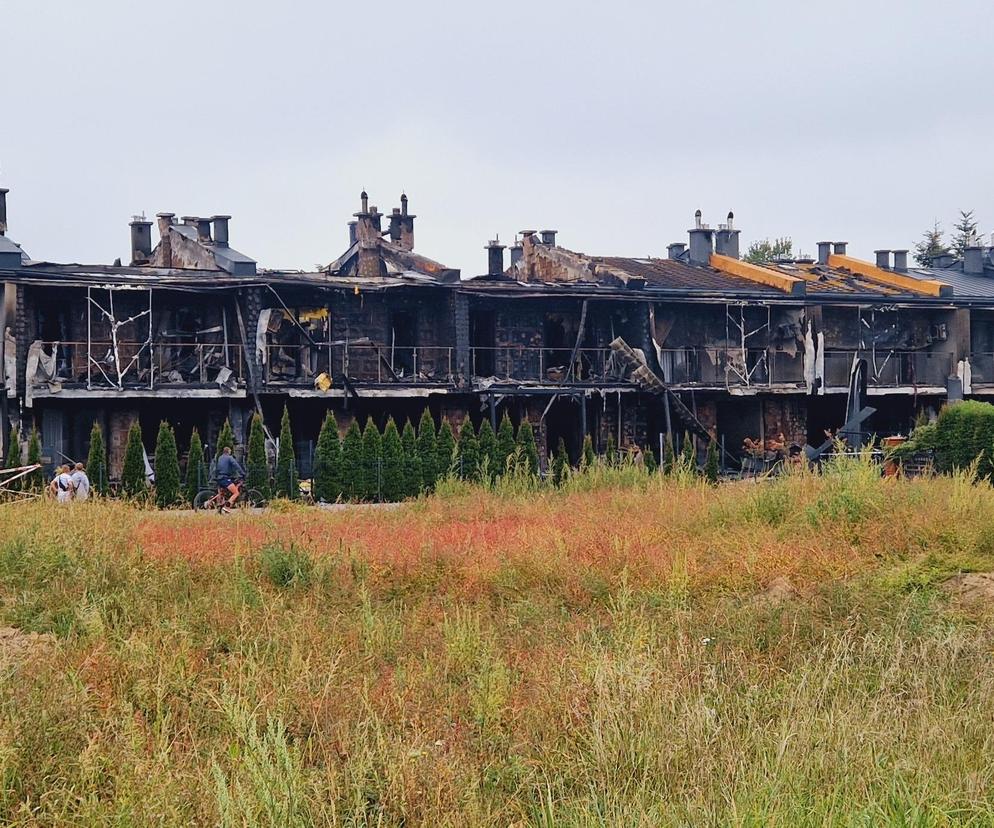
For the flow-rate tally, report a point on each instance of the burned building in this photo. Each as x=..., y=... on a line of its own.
x=193, y=331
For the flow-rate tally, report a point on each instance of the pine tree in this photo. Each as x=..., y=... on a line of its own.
x=427, y=451
x=468, y=454
x=393, y=486
x=14, y=458
x=328, y=462
x=689, y=458
x=669, y=455
x=412, y=463
x=196, y=469
x=96, y=461
x=34, y=482
x=134, y=482
x=506, y=444
x=166, y=467
x=931, y=245
x=527, y=448
x=287, y=484
x=711, y=468
x=487, y=442
x=649, y=457
x=257, y=462
x=587, y=456
x=560, y=463
x=372, y=458
x=353, y=476
x=445, y=448
x=226, y=437
x=966, y=232
x=611, y=450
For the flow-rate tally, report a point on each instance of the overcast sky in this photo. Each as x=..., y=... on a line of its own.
x=611, y=122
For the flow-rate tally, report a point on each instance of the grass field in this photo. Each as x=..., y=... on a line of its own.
x=629, y=652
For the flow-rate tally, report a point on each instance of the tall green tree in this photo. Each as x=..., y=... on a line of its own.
x=287, y=484
x=468, y=453
x=412, y=463
x=611, y=450
x=560, y=463
x=196, y=467
x=353, y=473
x=527, y=447
x=445, y=448
x=931, y=245
x=328, y=462
x=167, y=491
x=134, y=483
x=372, y=457
x=764, y=250
x=428, y=450
x=711, y=465
x=587, y=456
x=669, y=455
x=689, y=452
x=96, y=461
x=225, y=437
x=965, y=232
x=506, y=444
x=393, y=482
x=257, y=461
x=487, y=442
x=649, y=458
x=35, y=481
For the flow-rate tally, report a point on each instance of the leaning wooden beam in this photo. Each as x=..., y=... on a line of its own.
x=926, y=287
x=761, y=275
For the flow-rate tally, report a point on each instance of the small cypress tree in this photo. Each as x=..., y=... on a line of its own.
x=611, y=451
x=669, y=456
x=689, y=458
x=328, y=462
x=166, y=467
x=35, y=481
x=711, y=464
x=372, y=457
x=505, y=444
x=560, y=463
x=226, y=437
x=649, y=458
x=393, y=485
x=412, y=463
x=14, y=457
x=587, y=456
x=353, y=476
x=445, y=448
x=96, y=461
x=487, y=442
x=196, y=468
x=134, y=483
x=427, y=451
x=286, y=462
x=468, y=452
x=527, y=447
x=257, y=463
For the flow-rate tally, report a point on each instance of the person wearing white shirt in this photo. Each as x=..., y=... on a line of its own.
x=80, y=483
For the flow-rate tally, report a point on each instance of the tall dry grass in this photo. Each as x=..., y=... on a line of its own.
x=608, y=655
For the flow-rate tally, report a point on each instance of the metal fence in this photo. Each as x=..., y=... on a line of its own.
x=890, y=368
x=524, y=362
x=297, y=363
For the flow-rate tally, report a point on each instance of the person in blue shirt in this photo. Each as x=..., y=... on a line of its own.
x=228, y=471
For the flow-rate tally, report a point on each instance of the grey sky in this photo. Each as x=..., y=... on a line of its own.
x=611, y=122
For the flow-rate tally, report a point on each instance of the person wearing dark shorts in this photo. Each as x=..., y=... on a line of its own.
x=228, y=471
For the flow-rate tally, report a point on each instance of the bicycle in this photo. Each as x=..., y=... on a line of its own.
x=218, y=499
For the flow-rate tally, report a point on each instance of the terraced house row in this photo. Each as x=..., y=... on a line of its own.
x=195, y=331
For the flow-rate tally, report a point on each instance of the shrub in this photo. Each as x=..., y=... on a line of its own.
x=166, y=467
x=689, y=455
x=226, y=437
x=352, y=470
x=560, y=463
x=196, y=469
x=134, y=482
x=286, y=566
x=487, y=442
x=587, y=457
x=651, y=466
x=372, y=455
x=711, y=465
x=506, y=446
x=445, y=448
x=35, y=481
x=96, y=461
x=257, y=463
x=964, y=432
x=393, y=483
x=287, y=484
x=468, y=454
x=328, y=462
x=611, y=451
x=669, y=456
x=412, y=463
x=427, y=450
x=527, y=447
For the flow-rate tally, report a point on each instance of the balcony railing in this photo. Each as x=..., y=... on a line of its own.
x=531, y=364
x=731, y=367
x=302, y=364
x=890, y=368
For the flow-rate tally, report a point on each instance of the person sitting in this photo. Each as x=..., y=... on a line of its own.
x=228, y=471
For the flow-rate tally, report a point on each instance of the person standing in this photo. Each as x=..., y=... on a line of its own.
x=61, y=485
x=80, y=483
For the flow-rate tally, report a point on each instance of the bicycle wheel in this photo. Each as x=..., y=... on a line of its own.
x=252, y=497
x=203, y=500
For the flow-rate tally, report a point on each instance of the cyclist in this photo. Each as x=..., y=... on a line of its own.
x=228, y=471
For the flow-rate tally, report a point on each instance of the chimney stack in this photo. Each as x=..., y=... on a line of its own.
x=3, y=210
x=516, y=254
x=824, y=251
x=839, y=248
x=220, y=230
x=549, y=237
x=883, y=258
x=727, y=238
x=901, y=261
x=675, y=250
x=406, y=224
x=495, y=259
x=973, y=258
x=141, y=240
x=701, y=242
x=165, y=244
x=395, y=218
x=352, y=233
x=364, y=199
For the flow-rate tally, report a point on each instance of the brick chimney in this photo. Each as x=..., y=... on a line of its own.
x=395, y=225
x=165, y=221
x=495, y=259
x=352, y=232
x=368, y=236
x=406, y=224
x=141, y=240
x=3, y=210
x=726, y=241
x=516, y=254
x=701, y=241
x=527, y=253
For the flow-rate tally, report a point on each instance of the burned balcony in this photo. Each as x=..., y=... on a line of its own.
x=360, y=360
x=890, y=368
x=521, y=363
x=731, y=367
